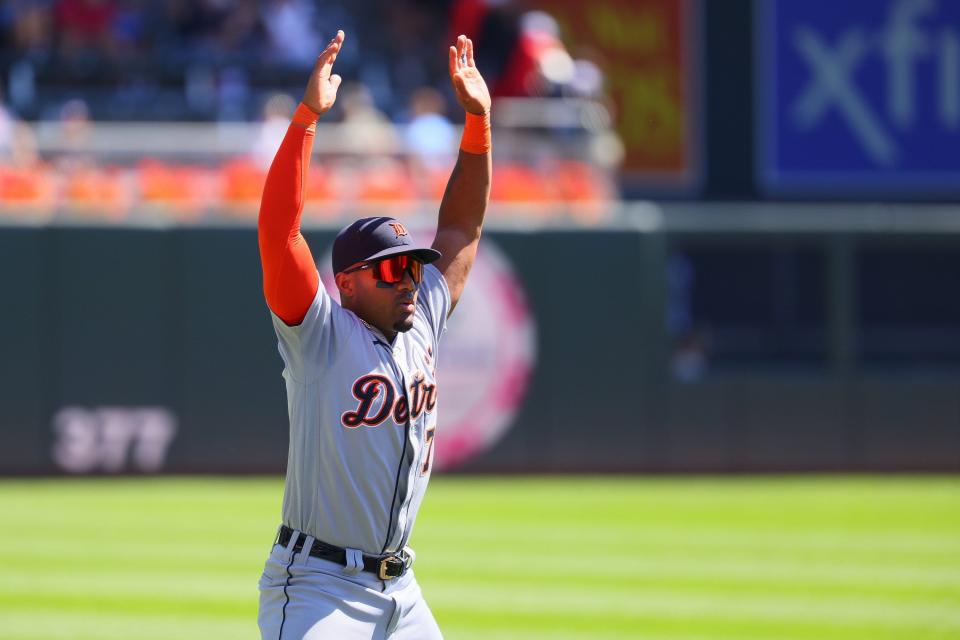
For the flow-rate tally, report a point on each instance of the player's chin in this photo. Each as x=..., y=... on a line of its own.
x=404, y=324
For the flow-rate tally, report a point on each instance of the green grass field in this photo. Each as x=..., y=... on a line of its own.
x=664, y=558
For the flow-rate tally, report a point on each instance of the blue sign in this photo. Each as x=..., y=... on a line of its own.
x=858, y=96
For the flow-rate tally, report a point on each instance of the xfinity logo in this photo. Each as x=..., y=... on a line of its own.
x=903, y=46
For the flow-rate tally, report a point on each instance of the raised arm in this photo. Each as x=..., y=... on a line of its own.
x=468, y=191
x=290, y=279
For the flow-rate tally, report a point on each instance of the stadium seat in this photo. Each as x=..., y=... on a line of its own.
x=384, y=180
x=586, y=190
x=182, y=191
x=90, y=191
x=27, y=192
x=242, y=186
x=529, y=192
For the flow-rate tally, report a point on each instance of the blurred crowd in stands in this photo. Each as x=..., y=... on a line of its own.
x=209, y=59
x=70, y=64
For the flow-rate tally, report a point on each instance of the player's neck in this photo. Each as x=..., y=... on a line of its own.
x=388, y=334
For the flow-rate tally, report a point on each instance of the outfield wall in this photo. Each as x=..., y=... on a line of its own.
x=140, y=350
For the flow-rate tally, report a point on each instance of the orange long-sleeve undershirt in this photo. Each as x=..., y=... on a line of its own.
x=290, y=279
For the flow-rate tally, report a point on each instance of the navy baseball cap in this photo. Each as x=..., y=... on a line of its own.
x=374, y=238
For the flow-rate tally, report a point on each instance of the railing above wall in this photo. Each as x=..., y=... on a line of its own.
x=553, y=158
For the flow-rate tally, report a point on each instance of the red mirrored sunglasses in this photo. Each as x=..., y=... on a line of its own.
x=391, y=269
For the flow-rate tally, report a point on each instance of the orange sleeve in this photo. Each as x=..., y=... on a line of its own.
x=290, y=279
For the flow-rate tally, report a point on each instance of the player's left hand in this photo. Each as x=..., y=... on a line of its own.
x=468, y=84
x=321, y=90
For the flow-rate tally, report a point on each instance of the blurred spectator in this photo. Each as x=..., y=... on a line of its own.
x=414, y=55
x=85, y=26
x=7, y=122
x=430, y=137
x=177, y=50
x=191, y=24
x=215, y=27
x=133, y=26
x=291, y=31
x=75, y=126
x=587, y=80
x=276, y=119
x=494, y=27
x=28, y=25
x=366, y=128
x=73, y=131
x=23, y=152
x=540, y=62
x=233, y=93
x=521, y=52
x=25, y=186
x=242, y=30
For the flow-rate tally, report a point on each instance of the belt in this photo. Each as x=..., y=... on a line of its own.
x=384, y=567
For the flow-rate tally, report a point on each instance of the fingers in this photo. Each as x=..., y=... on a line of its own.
x=452, y=61
x=329, y=55
x=469, y=47
x=461, y=47
x=335, y=81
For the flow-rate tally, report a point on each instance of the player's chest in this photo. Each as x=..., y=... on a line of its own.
x=389, y=383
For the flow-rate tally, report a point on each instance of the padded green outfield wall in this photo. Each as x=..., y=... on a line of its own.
x=136, y=350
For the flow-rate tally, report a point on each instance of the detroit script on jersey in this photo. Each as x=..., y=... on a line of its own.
x=379, y=400
x=363, y=415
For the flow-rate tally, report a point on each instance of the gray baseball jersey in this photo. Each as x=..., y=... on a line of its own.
x=363, y=414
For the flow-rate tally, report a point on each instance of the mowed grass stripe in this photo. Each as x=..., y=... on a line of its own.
x=569, y=625
x=741, y=565
x=115, y=625
x=652, y=533
x=730, y=604
x=934, y=552
x=632, y=611
x=170, y=586
x=636, y=570
x=119, y=583
x=159, y=552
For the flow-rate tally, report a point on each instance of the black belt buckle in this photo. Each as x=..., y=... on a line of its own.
x=391, y=567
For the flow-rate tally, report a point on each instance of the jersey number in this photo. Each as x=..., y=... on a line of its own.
x=425, y=469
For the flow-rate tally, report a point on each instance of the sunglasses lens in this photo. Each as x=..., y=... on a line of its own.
x=391, y=270
x=386, y=271
x=416, y=270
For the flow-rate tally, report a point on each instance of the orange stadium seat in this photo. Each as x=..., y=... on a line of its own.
x=431, y=183
x=27, y=192
x=323, y=192
x=586, y=190
x=526, y=188
x=520, y=184
x=378, y=186
x=242, y=186
x=183, y=192
x=385, y=180
x=96, y=192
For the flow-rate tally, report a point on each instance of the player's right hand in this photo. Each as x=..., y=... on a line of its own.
x=322, y=88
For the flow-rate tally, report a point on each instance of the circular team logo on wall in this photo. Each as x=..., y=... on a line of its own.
x=486, y=357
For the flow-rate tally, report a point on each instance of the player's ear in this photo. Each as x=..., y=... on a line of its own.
x=344, y=284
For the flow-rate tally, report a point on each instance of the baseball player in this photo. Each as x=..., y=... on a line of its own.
x=362, y=389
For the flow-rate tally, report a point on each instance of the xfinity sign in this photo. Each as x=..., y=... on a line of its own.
x=859, y=96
